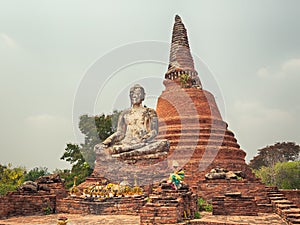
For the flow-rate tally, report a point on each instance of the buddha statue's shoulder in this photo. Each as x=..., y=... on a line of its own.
x=124, y=112
x=150, y=112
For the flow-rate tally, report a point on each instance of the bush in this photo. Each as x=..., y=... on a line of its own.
x=285, y=175
x=10, y=178
x=197, y=215
x=203, y=205
x=48, y=210
x=35, y=173
x=5, y=188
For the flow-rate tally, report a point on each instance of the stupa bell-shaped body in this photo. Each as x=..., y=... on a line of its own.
x=190, y=119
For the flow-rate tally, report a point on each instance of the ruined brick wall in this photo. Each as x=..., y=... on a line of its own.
x=292, y=195
x=169, y=207
x=207, y=189
x=234, y=204
x=58, y=189
x=117, y=205
x=16, y=204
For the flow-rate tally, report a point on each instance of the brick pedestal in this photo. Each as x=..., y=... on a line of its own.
x=169, y=207
x=234, y=204
x=109, y=206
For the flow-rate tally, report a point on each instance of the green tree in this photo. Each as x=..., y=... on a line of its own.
x=82, y=157
x=35, y=173
x=284, y=175
x=288, y=175
x=80, y=167
x=279, y=152
x=95, y=130
x=10, y=178
x=265, y=174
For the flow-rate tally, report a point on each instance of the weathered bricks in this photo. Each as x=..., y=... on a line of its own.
x=292, y=195
x=234, y=204
x=168, y=207
x=16, y=204
x=109, y=206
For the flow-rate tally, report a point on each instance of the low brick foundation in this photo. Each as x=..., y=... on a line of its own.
x=234, y=204
x=109, y=206
x=168, y=207
x=207, y=189
x=16, y=204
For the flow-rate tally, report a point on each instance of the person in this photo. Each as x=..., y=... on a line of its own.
x=176, y=178
x=136, y=132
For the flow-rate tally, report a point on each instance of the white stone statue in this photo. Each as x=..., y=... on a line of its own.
x=136, y=132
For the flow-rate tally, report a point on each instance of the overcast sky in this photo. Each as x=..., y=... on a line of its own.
x=48, y=48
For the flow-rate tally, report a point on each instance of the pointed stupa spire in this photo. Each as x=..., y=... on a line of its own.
x=181, y=60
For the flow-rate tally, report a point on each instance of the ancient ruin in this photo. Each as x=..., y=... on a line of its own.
x=187, y=137
x=190, y=119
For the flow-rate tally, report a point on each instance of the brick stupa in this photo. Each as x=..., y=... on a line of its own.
x=190, y=119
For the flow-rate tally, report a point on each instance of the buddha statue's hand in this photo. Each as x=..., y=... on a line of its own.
x=149, y=136
x=107, y=142
x=146, y=137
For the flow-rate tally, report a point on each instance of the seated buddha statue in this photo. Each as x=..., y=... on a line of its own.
x=136, y=132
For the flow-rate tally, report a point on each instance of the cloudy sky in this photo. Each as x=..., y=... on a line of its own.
x=50, y=51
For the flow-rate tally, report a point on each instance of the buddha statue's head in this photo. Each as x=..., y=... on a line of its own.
x=137, y=94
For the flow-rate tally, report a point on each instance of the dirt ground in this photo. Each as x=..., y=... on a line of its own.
x=76, y=219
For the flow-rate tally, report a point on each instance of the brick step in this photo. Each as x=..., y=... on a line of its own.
x=264, y=205
x=291, y=211
x=276, y=195
x=277, y=198
x=154, y=198
x=273, y=192
x=168, y=203
x=286, y=206
x=271, y=188
x=294, y=221
x=296, y=216
x=282, y=202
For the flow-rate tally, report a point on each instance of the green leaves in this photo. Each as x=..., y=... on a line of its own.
x=285, y=175
x=10, y=178
x=279, y=152
x=96, y=129
x=82, y=157
x=277, y=165
x=35, y=173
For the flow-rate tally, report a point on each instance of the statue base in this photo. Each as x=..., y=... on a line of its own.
x=146, y=171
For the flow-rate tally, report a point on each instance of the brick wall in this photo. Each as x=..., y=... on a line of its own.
x=122, y=206
x=234, y=204
x=169, y=207
x=207, y=189
x=16, y=204
x=292, y=195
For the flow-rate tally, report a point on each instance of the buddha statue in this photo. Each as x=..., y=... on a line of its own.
x=135, y=136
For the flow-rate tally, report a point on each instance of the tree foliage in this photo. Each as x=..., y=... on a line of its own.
x=95, y=130
x=279, y=152
x=288, y=175
x=35, y=173
x=82, y=157
x=80, y=167
x=10, y=178
x=284, y=175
